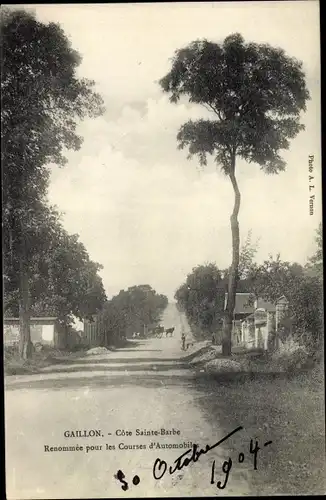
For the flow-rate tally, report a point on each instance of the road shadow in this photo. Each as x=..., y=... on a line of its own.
x=151, y=380
x=111, y=361
x=85, y=360
x=154, y=379
x=207, y=380
x=139, y=350
x=125, y=368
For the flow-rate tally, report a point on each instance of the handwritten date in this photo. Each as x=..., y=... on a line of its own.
x=121, y=477
x=227, y=464
x=193, y=454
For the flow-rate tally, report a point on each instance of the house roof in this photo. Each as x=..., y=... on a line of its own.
x=241, y=303
x=282, y=299
x=263, y=304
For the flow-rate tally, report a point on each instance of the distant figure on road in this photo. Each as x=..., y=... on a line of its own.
x=183, y=340
x=169, y=331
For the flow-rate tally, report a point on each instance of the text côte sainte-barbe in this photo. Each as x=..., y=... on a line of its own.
x=148, y=432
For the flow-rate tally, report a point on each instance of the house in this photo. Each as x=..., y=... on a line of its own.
x=253, y=321
x=242, y=309
x=259, y=329
x=242, y=305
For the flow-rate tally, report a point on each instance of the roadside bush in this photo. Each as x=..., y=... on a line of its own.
x=221, y=365
x=292, y=359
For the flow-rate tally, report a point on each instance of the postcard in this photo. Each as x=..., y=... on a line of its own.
x=163, y=266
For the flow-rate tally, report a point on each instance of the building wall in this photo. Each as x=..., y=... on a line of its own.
x=258, y=330
x=248, y=334
x=39, y=333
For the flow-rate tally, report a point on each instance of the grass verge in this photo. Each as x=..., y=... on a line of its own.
x=13, y=365
x=285, y=408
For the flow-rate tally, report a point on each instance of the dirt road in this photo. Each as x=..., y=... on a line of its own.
x=148, y=387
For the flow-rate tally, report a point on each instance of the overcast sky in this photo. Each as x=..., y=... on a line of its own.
x=144, y=211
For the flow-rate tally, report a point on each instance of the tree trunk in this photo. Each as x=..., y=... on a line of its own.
x=233, y=274
x=25, y=344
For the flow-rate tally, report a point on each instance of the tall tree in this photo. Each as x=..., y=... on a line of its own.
x=42, y=101
x=255, y=93
x=62, y=280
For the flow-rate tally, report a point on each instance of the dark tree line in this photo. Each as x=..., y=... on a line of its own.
x=302, y=286
x=42, y=101
x=136, y=309
x=48, y=272
x=203, y=293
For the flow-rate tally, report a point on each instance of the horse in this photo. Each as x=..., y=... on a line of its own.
x=159, y=330
x=169, y=331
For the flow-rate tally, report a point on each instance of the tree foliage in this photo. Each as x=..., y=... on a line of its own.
x=248, y=252
x=63, y=281
x=255, y=94
x=274, y=278
x=70, y=284
x=315, y=263
x=201, y=297
x=42, y=102
x=130, y=311
x=306, y=312
x=42, y=97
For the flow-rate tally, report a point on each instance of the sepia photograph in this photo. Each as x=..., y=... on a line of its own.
x=163, y=331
